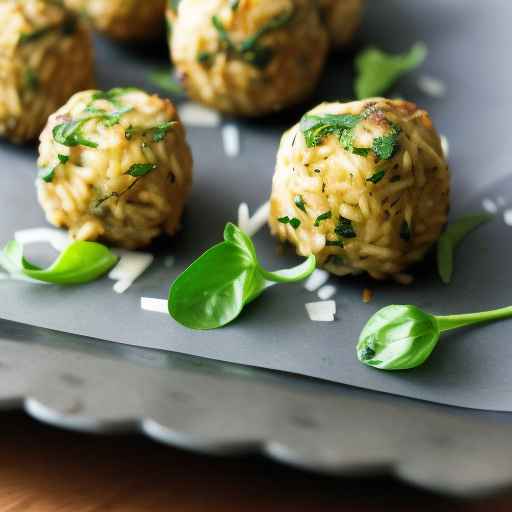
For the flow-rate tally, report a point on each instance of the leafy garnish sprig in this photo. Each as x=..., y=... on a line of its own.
x=404, y=337
x=250, y=50
x=213, y=290
x=81, y=262
x=316, y=128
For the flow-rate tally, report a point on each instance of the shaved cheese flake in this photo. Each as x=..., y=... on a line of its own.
x=231, y=140
x=243, y=217
x=259, y=219
x=327, y=292
x=131, y=266
x=59, y=240
x=445, y=146
x=155, y=305
x=323, y=311
x=192, y=114
x=432, y=86
x=317, y=279
x=489, y=205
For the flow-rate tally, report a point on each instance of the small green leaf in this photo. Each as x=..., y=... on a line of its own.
x=139, y=170
x=376, y=177
x=81, y=262
x=160, y=131
x=299, y=203
x=213, y=290
x=385, y=147
x=295, y=223
x=378, y=71
x=345, y=228
x=163, y=79
x=452, y=237
x=316, y=128
x=398, y=338
x=322, y=217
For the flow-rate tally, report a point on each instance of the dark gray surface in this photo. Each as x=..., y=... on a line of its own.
x=470, y=369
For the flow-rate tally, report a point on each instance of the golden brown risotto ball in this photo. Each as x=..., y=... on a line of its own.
x=342, y=18
x=364, y=186
x=123, y=19
x=248, y=57
x=45, y=57
x=115, y=166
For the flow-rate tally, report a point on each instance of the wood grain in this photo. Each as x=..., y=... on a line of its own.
x=48, y=470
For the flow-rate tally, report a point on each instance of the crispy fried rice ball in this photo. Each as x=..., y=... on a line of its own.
x=115, y=166
x=45, y=57
x=123, y=19
x=342, y=18
x=250, y=57
x=364, y=186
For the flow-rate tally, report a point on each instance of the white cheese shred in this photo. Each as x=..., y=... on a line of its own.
x=431, y=86
x=154, y=305
x=489, y=205
x=59, y=240
x=323, y=311
x=131, y=265
x=231, y=140
x=243, y=217
x=192, y=114
x=317, y=279
x=445, y=146
x=507, y=217
x=327, y=292
x=259, y=219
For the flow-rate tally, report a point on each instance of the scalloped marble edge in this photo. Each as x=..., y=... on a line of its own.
x=277, y=451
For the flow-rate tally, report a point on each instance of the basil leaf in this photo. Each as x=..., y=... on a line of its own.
x=451, y=238
x=139, y=170
x=316, y=128
x=377, y=71
x=81, y=262
x=213, y=290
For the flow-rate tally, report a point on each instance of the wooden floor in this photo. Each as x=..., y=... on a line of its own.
x=47, y=470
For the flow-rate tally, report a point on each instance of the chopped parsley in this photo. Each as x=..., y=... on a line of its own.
x=322, y=217
x=299, y=203
x=375, y=178
x=164, y=80
x=160, y=131
x=31, y=80
x=250, y=50
x=386, y=146
x=70, y=133
x=140, y=170
x=316, y=128
x=48, y=173
x=345, y=229
x=405, y=231
x=294, y=222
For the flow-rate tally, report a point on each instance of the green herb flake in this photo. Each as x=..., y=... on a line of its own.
x=322, y=217
x=31, y=80
x=140, y=170
x=377, y=71
x=70, y=134
x=345, y=229
x=452, y=237
x=405, y=231
x=299, y=203
x=317, y=128
x=375, y=178
x=163, y=79
x=385, y=147
x=160, y=131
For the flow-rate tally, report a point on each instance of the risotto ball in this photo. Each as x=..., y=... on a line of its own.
x=115, y=166
x=363, y=186
x=342, y=18
x=249, y=57
x=45, y=57
x=123, y=19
